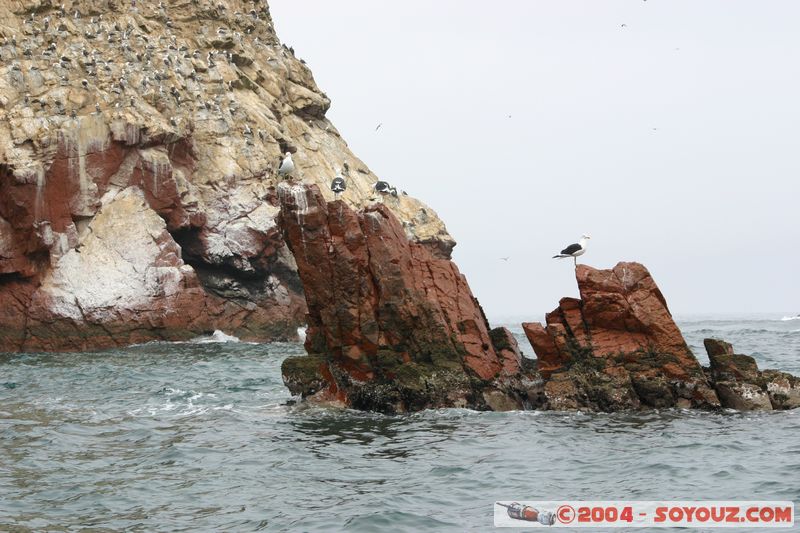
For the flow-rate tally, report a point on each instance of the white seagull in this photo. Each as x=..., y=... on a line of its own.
x=574, y=250
x=287, y=165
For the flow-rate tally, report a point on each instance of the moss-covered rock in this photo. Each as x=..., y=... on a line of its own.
x=303, y=375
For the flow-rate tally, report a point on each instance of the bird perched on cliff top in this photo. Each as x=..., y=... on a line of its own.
x=574, y=250
x=338, y=184
x=287, y=165
x=383, y=188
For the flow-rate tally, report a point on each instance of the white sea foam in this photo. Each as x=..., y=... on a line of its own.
x=301, y=333
x=178, y=403
x=217, y=336
x=787, y=318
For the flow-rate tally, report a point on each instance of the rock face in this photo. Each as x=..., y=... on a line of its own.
x=139, y=145
x=617, y=347
x=741, y=386
x=392, y=325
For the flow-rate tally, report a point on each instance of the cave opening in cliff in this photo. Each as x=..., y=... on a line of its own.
x=237, y=277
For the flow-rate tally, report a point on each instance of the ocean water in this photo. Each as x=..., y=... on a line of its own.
x=200, y=437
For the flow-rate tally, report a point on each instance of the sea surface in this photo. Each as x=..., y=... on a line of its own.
x=202, y=436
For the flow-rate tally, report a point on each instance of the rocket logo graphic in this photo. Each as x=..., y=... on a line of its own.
x=527, y=513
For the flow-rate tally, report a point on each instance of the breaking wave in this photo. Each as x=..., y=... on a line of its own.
x=217, y=336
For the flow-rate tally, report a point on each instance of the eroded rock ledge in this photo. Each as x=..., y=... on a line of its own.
x=392, y=326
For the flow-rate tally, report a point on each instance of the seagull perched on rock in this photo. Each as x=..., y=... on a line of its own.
x=287, y=165
x=384, y=188
x=338, y=185
x=574, y=250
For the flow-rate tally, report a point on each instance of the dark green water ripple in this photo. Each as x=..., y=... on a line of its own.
x=199, y=437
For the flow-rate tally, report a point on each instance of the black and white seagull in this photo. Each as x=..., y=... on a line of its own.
x=383, y=188
x=338, y=184
x=574, y=250
x=287, y=165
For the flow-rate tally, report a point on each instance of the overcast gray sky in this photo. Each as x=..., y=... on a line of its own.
x=673, y=140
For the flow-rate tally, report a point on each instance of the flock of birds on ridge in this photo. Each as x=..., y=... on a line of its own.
x=163, y=72
x=144, y=75
x=338, y=185
x=177, y=63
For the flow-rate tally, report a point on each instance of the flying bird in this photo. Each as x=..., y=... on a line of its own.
x=574, y=250
x=504, y=258
x=287, y=165
x=378, y=126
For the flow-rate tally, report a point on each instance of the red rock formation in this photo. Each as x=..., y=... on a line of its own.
x=391, y=326
x=126, y=282
x=617, y=347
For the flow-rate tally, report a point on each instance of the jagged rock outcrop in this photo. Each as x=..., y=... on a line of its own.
x=116, y=114
x=617, y=347
x=392, y=325
x=742, y=386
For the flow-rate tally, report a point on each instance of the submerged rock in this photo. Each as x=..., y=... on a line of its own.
x=392, y=326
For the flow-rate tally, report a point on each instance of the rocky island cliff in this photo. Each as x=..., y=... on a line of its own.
x=139, y=147
x=140, y=199
x=393, y=329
